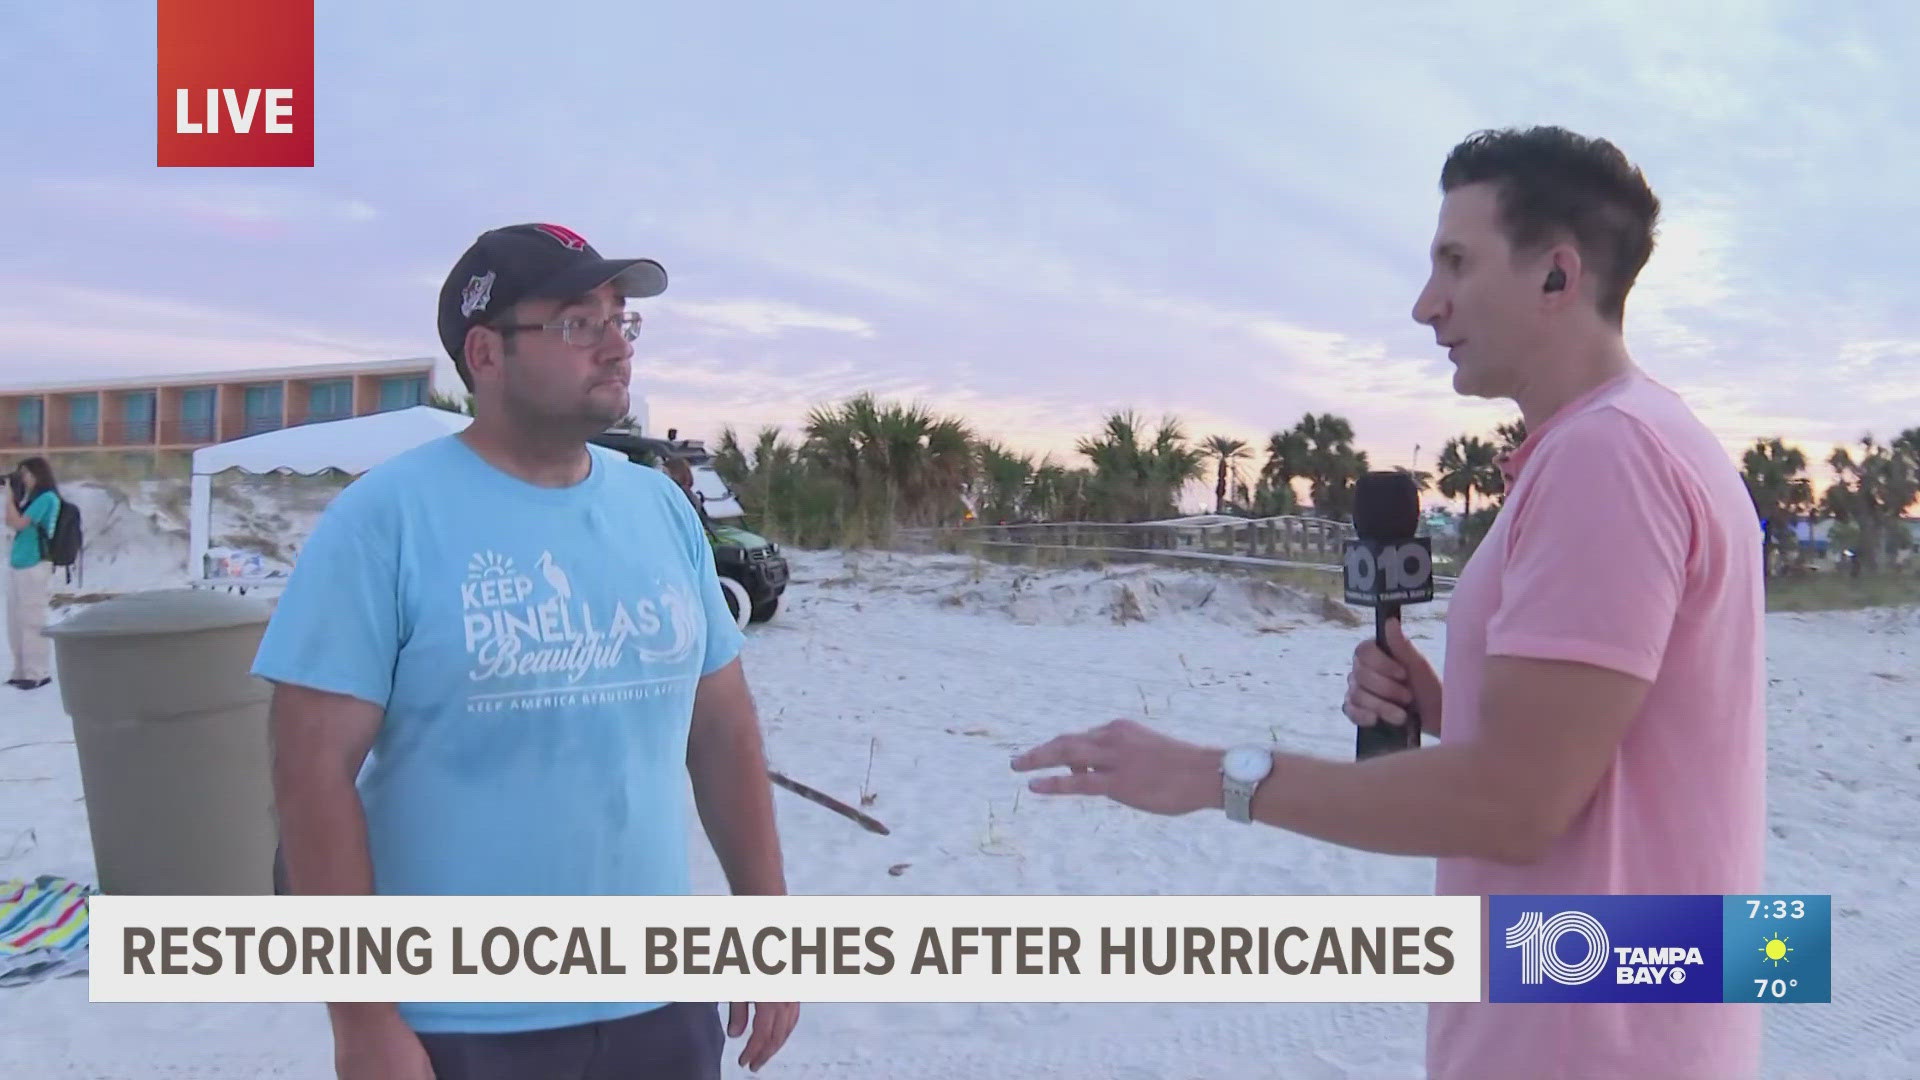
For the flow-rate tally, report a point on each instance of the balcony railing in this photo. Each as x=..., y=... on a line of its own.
x=73, y=433
x=20, y=436
x=255, y=425
x=127, y=433
x=322, y=416
x=194, y=431
x=101, y=433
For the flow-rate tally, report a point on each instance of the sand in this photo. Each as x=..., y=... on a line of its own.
x=137, y=531
x=940, y=668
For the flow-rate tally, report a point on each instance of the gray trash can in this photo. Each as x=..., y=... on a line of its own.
x=171, y=730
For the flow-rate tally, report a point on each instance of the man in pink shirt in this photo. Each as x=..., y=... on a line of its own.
x=1601, y=724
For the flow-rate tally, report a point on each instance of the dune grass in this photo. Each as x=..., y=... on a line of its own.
x=1064, y=557
x=1837, y=591
x=1824, y=591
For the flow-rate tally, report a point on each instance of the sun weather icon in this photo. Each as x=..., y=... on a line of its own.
x=1776, y=949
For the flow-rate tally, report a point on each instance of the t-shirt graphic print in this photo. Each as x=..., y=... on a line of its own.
x=519, y=627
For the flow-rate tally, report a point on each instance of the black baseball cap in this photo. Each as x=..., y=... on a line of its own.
x=521, y=262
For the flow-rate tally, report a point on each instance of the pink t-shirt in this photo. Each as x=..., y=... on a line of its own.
x=1627, y=541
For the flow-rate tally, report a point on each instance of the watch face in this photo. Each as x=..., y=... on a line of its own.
x=1247, y=765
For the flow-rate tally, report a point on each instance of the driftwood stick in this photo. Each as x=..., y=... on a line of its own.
x=829, y=802
x=43, y=742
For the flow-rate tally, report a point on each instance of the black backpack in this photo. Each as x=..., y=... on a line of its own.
x=62, y=546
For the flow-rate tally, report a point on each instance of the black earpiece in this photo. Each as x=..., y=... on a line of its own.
x=1556, y=279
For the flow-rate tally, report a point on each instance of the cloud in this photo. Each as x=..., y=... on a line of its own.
x=89, y=333
x=701, y=394
x=1047, y=336
x=142, y=352
x=1224, y=218
x=1688, y=275
x=232, y=205
x=764, y=318
x=70, y=306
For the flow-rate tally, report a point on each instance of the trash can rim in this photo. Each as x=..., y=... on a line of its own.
x=161, y=611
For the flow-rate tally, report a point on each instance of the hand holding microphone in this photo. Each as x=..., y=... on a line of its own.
x=1386, y=566
x=1386, y=686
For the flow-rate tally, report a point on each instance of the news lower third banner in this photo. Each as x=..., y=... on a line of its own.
x=792, y=948
x=1690, y=948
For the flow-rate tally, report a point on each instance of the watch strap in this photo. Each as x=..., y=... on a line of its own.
x=1238, y=800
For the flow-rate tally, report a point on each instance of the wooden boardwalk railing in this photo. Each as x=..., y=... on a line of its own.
x=1242, y=543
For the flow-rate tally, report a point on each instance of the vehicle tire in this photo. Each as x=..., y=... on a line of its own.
x=737, y=601
x=764, y=610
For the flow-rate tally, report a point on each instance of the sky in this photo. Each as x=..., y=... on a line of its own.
x=1027, y=212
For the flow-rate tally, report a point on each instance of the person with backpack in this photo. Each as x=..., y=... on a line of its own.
x=33, y=513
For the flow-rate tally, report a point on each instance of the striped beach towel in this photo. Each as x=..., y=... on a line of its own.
x=43, y=929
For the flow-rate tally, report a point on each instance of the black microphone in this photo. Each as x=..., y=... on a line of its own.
x=1386, y=567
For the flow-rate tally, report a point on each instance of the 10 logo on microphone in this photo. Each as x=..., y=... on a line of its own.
x=1694, y=948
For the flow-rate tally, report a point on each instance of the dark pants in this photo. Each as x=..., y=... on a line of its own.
x=681, y=1041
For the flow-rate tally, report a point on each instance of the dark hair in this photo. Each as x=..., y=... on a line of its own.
x=1555, y=185
x=42, y=475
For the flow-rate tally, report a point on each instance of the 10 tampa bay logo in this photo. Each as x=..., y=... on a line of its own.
x=1538, y=939
x=1604, y=948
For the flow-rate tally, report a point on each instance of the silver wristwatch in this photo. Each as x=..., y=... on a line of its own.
x=1241, y=771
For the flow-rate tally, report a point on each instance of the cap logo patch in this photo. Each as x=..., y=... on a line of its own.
x=566, y=236
x=475, y=296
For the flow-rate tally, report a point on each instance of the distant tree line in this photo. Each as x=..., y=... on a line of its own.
x=860, y=468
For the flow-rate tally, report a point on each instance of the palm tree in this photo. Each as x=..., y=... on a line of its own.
x=1173, y=465
x=834, y=444
x=896, y=464
x=1908, y=443
x=1059, y=493
x=1467, y=465
x=730, y=461
x=1332, y=464
x=1135, y=481
x=1776, y=479
x=1226, y=452
x=1286, y=459
x=1118, y=465
x=1510, y=436
x=1871, y=494
x=1001, y=484
x=780, y=491
x=950, y=466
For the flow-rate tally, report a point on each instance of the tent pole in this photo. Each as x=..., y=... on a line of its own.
x=199, y=523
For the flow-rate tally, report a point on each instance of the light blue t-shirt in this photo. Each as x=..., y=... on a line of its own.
x=537, y=652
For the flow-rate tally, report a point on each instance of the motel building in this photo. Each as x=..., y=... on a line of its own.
x=185, y=412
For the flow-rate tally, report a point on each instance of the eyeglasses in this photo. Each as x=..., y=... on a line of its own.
x=584, y=333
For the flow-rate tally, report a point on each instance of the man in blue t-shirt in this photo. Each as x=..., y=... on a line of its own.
x=499, y=660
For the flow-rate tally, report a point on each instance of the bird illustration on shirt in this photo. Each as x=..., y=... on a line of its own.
x=554, y=575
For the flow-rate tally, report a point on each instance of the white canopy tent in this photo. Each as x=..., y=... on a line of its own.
x=353, y=446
